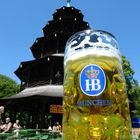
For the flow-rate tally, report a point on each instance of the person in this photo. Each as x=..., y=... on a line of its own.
x=1, y=112
x=16, y=125
x=49, y=128
x=59, y=127
x=1, y=109
x=55, y=128
x=1, y=126
x=7, y=127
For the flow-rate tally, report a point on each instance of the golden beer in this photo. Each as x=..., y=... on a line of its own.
x=95, y=100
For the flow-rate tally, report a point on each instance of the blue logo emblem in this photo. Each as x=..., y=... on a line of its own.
x=92, y=80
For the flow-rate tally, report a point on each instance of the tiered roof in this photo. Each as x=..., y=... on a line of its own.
x=48, y=50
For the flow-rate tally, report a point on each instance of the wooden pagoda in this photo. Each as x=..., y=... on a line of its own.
x=41, y=95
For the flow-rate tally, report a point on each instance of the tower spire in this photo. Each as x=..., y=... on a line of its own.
x=68, y=3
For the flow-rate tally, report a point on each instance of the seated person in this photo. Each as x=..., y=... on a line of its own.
x=1, y=111
x=1, y=126
x=59, y=127
x=7, y=127
x=49, y=128
x=55, y=128
x=16, y=125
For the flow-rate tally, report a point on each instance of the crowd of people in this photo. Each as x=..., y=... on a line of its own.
x=8, y=126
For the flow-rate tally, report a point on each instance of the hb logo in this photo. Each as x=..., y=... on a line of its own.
x=92, y=80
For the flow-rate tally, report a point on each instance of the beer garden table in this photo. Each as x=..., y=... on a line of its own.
x=4, y=136
x=31, y=134
x=22, y=134
x=45, y=134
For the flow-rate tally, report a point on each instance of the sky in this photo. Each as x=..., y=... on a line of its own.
x=21, y=22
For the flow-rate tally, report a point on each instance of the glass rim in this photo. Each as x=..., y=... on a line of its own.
x=96, y=30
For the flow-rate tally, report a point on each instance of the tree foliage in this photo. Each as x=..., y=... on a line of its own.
x=133, y=89
x=136, y=101
x=8, y=86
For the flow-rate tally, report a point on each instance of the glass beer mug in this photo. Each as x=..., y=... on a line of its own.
x=95, y=100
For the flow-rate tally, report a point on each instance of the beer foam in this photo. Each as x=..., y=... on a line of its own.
x=96, y=50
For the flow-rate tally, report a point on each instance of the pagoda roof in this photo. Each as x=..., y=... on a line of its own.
x=67, y=12
x=53, y=27
x=25, y=67
x=46, y=90
x=37, y=47
x=64, y=17
x=49, y=44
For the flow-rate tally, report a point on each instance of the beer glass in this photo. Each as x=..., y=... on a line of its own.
x=95, y=99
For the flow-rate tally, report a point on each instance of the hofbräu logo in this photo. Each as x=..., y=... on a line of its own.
x=92, y=80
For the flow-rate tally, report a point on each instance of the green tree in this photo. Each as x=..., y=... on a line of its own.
x=136, y=101
x=8, y=86
x=133, y=89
